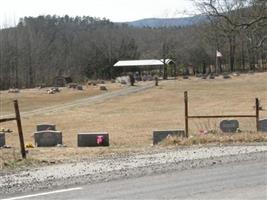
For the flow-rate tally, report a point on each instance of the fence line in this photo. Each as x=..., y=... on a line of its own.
x=18, y=120
x=187, y=116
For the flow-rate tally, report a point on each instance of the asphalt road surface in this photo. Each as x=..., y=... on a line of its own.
x=243, y=180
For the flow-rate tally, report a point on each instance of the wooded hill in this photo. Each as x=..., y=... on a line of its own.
x=168, y=22
x=39, y=48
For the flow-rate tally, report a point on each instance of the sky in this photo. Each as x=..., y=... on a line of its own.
x=115, y=10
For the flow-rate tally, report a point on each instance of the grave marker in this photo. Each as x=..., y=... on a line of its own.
x=102, y=87
x=263, y=125
x=229, y=126
x=47, y=138
x=93, y=139
x=2, y=139
x=45, y=127
x=79, y=87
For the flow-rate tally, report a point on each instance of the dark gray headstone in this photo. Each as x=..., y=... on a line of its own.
x=204, y=76
x=2, y=139
x=47, y=138
x=79, y=87
x=72, y=85
x=45, y=127
x=212, y=77
x=229, y=126
x=158, y=136
x=263, y=125
x=102, y=87
x=93, y=139
x=226, y=76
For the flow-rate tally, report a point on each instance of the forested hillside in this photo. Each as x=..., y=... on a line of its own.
x=168, y=22
x=38, y=49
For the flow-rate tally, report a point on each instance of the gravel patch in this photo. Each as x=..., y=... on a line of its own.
x=69, y=174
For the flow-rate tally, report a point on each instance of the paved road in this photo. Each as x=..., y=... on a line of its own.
x=243, y=180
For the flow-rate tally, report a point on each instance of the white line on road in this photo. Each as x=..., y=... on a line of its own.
x=44, y=193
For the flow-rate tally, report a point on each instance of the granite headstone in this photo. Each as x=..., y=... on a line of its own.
x=45, y=127
x=93, y=139
x=229, y=126
x=2, y=139
x=263, y=125
x=47, y=138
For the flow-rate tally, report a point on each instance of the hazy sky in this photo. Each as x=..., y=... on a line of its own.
x=115, y=10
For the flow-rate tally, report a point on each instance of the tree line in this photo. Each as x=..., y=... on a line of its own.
x=39, y=48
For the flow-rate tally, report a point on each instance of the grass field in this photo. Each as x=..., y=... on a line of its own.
x=130, y=120
x=30, y=99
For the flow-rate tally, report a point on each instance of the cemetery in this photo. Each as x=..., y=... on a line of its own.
x=49, y=96
x=141, y=121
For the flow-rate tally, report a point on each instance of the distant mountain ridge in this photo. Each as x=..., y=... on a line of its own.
x=168, y=22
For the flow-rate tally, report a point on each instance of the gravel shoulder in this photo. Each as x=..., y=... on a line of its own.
x=99, y=170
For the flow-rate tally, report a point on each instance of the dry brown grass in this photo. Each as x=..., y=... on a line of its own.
x=131, y=120
x=30, y=99
x=217, y=139
x=11, y=160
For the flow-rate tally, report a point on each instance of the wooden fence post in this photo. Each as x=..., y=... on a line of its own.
x=257, y=106
x=186, y=113
x=21, y=139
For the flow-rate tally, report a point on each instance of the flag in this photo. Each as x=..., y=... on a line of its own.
x=218, y=54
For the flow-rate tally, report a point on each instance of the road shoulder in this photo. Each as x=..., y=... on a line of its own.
x=70, y=174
